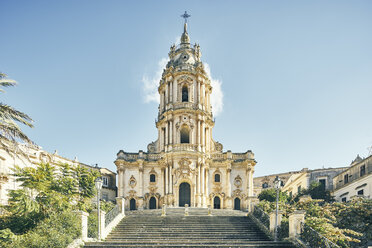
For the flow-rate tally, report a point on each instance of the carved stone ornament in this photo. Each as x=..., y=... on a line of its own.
x=184, y=170
x=132, y=182
x=152, y=189
x=132, y=194
x=185, y=78
x=151, y=148
x=218, y=146
x=238, y=181
x=238, y=193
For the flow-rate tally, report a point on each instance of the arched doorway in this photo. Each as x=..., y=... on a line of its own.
x=184, y=194
x=236, y=203
x=216, y=203
x=132, y=204
x=152, y=203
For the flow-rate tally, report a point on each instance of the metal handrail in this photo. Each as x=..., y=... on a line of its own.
x=110, y=216
x=316, y=239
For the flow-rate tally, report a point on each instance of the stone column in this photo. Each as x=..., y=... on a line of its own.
x=166, y=93
x=120, y=182
x=174, y=91
x=171, y=92
x=250, y=185
x=203, y=185
x=198, y=92
x=163, y=179
x=166, y=136
x=140, y=169
x=171, y=132
x=166, y=180
x=199, y=185
x=203, y=95
x=202, y=136
x=171, y=178
x=124, y=182
x=207, y=183
x=198, y=135
x=228, y=183
x=295, y=221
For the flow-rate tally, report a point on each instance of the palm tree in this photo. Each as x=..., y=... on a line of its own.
x=10, y=117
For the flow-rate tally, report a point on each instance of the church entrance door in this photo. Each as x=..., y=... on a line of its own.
x=217, y=203
x=184, y=194
x=132, y=204
x=237, y=204
x=152, y=203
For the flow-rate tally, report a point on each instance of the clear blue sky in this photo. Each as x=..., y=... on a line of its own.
x=296, y=75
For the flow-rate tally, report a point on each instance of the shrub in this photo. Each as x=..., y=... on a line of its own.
x=57, y=231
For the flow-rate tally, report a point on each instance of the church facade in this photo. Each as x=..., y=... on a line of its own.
x=185, y=165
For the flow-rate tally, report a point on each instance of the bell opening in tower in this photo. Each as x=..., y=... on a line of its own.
x=185, y=135
x=185, y=94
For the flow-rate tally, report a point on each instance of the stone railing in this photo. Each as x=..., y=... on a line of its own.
x=219, y=156
x=263, y=217
x=110, y=216
x=107, y=222
x=142, y=155
x=314, y=239
x=153, y=156
x=233, y=156
x=184, y=147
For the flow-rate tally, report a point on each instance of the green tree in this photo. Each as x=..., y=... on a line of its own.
x=9, y=117
x=270, y=195
x=47, y=189
x=316, y=191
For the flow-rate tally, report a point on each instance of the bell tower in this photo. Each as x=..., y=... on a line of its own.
x=185, y=112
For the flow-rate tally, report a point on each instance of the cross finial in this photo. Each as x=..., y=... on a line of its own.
x=185, y=16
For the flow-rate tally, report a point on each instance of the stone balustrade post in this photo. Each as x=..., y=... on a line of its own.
x=295, y=220
x=102, y=219
x=272, y=220
x=120, y=201
x=84, y=224
x=252, y=201
x=163, y=210
x=186, y=209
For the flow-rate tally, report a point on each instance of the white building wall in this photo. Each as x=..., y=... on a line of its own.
x=351, y=189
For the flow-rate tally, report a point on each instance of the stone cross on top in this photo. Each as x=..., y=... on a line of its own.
x=185, y=16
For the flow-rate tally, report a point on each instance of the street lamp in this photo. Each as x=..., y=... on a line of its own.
x=277, y=187
x=98, y=183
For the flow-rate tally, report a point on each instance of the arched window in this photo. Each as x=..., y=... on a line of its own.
x=185, y=135
x=185, y=94
x=265, y=185
x=217, y=178
x=152, y=178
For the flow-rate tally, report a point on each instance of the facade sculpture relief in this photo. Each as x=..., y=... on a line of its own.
x=185, y=165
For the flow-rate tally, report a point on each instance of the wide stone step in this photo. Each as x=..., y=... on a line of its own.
x=191, y=244
x=146, y=228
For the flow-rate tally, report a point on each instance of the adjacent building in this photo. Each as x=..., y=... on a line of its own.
x=294, y=181
x=356, y=180
x=25, y=155
x=305, y=177
x=185, y=165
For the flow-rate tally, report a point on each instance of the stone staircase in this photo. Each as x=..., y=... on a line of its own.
x=225, y=228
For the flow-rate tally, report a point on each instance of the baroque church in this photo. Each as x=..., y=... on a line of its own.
x=185, y=165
